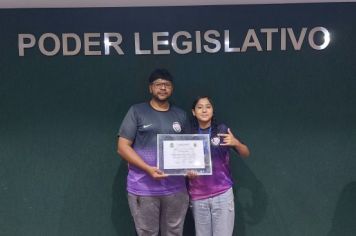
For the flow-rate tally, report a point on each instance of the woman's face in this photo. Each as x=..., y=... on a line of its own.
x=203, y=110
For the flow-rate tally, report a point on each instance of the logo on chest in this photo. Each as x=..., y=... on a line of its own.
x=146, y=126
x=215, y=141
x=177, y=127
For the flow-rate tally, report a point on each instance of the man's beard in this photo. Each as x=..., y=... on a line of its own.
x=158, y=99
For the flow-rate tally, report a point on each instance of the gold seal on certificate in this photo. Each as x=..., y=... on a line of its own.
x=179, y=153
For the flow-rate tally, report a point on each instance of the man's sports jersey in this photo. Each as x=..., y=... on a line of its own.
x=220, y=181
x=141, y=125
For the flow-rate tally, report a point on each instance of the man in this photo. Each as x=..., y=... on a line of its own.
x=158, y=203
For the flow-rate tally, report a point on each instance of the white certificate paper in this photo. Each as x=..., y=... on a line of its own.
x=183, y=154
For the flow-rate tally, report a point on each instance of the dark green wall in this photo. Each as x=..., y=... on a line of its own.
x=59, y=172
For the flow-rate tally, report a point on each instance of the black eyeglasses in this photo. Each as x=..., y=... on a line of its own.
x=167, y=85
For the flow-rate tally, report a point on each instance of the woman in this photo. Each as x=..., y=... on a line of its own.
x=212, y=198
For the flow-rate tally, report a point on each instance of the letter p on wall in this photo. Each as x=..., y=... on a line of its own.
x=25, y=41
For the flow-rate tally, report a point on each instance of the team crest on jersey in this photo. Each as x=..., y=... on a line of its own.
x=215, y=141
x=177, y=127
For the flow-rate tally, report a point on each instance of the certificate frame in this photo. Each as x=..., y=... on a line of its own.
x=179, y=153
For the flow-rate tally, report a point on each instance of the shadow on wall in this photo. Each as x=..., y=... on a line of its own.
x=189, y=228
x=249, y=211
x=344, y=220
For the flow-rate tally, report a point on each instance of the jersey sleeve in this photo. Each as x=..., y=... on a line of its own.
x=128, y=126
x=222, y=129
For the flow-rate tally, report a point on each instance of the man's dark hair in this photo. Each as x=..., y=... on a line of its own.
x=160, y=74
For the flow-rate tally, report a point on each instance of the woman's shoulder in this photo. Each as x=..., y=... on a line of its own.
x=222, y=128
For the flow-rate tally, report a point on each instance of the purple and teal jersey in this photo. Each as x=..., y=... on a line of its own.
x=141, y=125
x=220, y=181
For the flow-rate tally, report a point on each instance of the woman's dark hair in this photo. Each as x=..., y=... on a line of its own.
x=195, y=123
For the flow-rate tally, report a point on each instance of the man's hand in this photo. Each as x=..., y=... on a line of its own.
x=156, y=173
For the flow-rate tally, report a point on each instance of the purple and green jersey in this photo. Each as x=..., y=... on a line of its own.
x=220, y=181
x=141, y=125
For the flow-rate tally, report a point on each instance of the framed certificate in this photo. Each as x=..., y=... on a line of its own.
x=179, y=153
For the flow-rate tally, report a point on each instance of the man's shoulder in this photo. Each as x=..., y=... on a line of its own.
x=139, y=106
x=177, y=109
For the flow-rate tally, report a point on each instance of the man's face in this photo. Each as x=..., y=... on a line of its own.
x=161, y=89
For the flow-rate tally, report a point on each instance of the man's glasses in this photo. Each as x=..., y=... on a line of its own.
x=167, y=85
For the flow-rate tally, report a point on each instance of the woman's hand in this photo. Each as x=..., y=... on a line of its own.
x=191, y=174
x=229, y=139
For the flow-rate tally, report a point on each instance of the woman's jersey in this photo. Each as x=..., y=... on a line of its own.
x=207, y=186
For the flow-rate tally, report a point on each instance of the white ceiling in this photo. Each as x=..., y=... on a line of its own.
x=128, y=3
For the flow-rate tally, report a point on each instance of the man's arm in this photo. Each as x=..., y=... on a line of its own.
x=125, y=150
